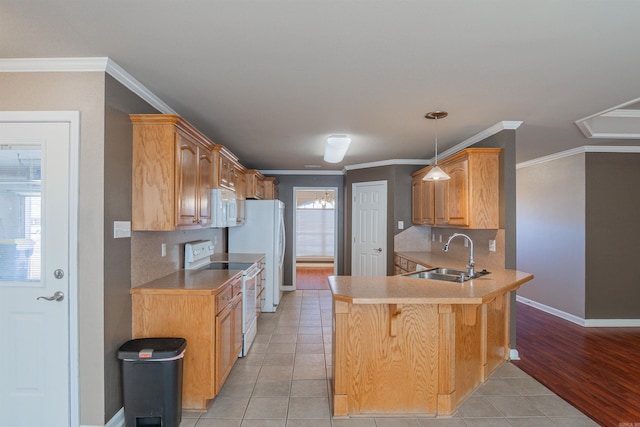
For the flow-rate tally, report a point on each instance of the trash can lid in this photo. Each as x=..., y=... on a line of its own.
x=151, y=348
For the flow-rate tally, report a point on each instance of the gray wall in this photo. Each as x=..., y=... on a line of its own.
x=398, y=179
x=613, y=235
x=119, y=102
x=577, y=233
x=285, y=190
x=551, y=232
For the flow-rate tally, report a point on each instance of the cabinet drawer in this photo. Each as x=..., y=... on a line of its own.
x=223, y=298
x=403, y=263
x=237, y=288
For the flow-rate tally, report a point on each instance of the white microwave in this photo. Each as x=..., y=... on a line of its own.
x=224, y=208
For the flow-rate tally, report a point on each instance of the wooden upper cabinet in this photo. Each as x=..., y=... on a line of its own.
x=241, y=193
x=470, y=199
x=254, y=184
x=207, y=170
x=270, y=188
x=422, y=196
x=228, y=168
x=172, y=174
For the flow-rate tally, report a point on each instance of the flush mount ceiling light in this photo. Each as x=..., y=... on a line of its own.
x=336, y=148
x=436, y=174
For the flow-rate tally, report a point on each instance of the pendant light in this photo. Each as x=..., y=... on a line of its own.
x=436, y=174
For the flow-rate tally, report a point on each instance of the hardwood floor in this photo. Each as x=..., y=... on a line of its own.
x=313, y=278
x=597, y=370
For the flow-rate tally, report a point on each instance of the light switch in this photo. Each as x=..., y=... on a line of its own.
x=400, y=225
x=121, y=229
x=492, y=245
x=163, y=249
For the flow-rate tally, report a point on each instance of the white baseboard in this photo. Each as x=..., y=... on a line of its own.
x=587, y=323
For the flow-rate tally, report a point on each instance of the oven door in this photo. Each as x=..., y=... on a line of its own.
x=249, y=318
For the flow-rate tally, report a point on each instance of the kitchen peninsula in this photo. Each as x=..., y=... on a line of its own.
x=410, y=346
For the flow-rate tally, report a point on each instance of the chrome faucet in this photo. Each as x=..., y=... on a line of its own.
x=471, y=271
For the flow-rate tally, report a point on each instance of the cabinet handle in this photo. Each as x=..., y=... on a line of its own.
x=227, y=298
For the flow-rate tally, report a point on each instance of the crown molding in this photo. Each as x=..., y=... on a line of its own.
x=390, y=162
x=97, y=64
x=498, y=127
x=37, y=65
x=302, y=172
x=127, y=80
x=580, y=150
x=586, y=123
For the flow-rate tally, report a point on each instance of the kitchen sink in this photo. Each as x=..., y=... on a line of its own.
x=445, y=274
x=448, y=271
x=437, y=276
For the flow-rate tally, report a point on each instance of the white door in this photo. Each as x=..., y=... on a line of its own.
x=369, y=229
x=34, y=273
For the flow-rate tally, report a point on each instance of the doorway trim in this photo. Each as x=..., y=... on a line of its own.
x=73, y=118
x=295, y=228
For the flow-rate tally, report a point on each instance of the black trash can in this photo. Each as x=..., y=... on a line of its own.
x=152, y=381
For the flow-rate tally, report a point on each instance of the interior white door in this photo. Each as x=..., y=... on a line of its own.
x=34, y=274
x=369, y=229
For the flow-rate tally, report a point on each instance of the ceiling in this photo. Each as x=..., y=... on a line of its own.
x=272, y=79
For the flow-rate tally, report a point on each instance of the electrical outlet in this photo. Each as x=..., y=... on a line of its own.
x=440, y=238
x=466, y=243
x=492, y=245
x=121, y=229
x=400, y=225
x=164, y=249
x=433, y=237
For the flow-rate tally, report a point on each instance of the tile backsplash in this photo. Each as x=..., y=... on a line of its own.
x=147, y=262
x=419, y=238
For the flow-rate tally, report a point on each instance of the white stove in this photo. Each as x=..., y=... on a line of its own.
x=197, y=256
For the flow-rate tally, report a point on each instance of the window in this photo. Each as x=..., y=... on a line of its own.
x=315, y=223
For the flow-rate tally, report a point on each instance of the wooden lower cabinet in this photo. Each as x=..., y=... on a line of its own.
x=402, y=265
x=211, y=324
x=228, y=324
x=414, y=359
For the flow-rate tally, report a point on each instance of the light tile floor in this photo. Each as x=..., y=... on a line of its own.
x=284, y=382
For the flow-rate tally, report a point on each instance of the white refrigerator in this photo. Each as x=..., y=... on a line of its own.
x=264, y=233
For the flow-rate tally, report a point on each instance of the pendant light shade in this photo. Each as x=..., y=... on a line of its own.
x=436, y=173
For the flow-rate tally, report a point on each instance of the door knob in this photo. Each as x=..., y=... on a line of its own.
x=58, y=296
x=378, y=250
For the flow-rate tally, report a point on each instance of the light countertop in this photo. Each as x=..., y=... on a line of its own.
x=405, y=290
x=194, y=282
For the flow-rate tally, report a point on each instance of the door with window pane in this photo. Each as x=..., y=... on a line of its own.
x=34, y=259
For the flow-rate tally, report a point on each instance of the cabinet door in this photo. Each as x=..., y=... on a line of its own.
x=416, y=201
x=458, y=197
x=224, y=344
x=427, y=209
x=441, y=202
x=187, y=190
x=236, y=347
x=227, y=172
x=228, y=339
x=205, y=172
